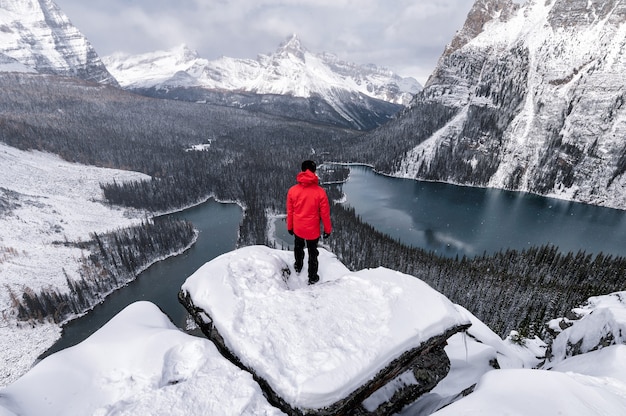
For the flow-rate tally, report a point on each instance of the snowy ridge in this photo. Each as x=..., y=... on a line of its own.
x=291, y=70
x=541, y=86
x=39, y=37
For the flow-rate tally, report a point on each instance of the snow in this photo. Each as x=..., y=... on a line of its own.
x=316, y=344
x=590, y=383
x=291, y=70
x=40, y=36
x=535, y=392
x=139, y=363
x=602, y=322
x=50, y=201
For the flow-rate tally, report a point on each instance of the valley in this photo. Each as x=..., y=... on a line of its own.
x=94, y=162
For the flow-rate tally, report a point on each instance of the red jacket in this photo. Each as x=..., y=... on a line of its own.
x=307, y=206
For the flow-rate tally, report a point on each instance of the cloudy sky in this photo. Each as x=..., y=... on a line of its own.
x=406, y=36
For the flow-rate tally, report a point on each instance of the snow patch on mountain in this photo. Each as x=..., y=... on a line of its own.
x=290, y=70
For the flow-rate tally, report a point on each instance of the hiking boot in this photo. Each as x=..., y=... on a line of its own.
x=298, y=269
x=313, y=280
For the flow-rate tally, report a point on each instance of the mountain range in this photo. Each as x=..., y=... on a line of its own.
x=525, y=97
x=291, y=81
x=36, y=36
x=290, y=70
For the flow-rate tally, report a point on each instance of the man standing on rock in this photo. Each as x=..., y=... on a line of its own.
x=307, y=206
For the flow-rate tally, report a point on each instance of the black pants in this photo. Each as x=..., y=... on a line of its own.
x=298, y=252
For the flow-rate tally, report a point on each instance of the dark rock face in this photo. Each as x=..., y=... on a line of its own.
x=569, y=13
x=405, y=379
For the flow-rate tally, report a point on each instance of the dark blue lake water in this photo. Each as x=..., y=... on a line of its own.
x=452, y=220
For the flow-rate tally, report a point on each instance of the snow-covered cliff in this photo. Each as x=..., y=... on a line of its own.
x=36, y=36
x=525, y=97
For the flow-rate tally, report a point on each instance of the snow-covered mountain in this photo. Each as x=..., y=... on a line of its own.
x=290, y=70
x=291, y=81
x=36, y=36
x=525, y=97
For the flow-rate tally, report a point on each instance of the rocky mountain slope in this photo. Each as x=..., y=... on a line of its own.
x=36, y=36
x=291, y=80
x=525, y=97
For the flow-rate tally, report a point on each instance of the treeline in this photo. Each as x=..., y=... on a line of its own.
x=114, y=259
x=509, y=290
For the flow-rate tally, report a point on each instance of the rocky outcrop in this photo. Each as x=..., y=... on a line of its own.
x=598, y=324
x=400, y=383
x=364, y=343
x=480, y=14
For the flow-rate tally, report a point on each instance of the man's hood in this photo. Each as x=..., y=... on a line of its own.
x=307, y=178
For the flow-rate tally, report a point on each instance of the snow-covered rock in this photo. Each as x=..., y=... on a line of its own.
x=586, y=374
x=36, y=36
x=315, y=341
x=327, y=347
x=528, y=97
x=601, y=323
x=542, y=393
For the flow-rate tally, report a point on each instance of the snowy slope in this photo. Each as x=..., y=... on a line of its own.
x=44, y=200
x=139, y=363
x=528, y=97
x=586, y=375
x=291, y=70
x=38, y=36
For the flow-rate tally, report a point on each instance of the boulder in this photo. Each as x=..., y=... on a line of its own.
x=367, y=342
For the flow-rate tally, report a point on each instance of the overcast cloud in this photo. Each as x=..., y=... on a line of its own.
x=406, y=36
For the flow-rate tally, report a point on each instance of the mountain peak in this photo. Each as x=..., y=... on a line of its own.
x=184, y=53
x=37, y=35
x=292, y=46
x=482, y=12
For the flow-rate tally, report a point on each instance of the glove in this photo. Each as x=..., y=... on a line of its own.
x=290, y=232
x=326, y=235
